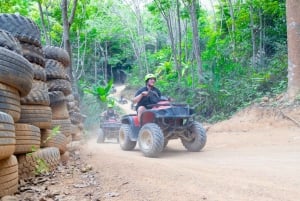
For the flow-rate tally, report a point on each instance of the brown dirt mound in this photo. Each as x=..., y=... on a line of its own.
x=266, y=114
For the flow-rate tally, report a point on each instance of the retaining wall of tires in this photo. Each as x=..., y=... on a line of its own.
x=39, y=114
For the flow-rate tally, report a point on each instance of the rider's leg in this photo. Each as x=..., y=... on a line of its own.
x=140, y=110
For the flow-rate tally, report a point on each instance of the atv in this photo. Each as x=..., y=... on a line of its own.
x=165, y=121
x=109, y=129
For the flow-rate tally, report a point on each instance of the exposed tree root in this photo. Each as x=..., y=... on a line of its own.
x=290, y=118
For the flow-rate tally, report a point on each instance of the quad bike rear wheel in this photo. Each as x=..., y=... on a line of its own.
x=151, y=140
x=124, y=139
x=101, y=136
x=198, y=141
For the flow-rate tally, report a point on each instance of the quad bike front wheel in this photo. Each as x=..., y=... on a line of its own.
x=197, y=137
x=124, y=139
x=101, y=136
x=151, y=140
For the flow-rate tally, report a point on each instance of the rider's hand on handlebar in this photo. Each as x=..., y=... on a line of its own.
x=145, y=93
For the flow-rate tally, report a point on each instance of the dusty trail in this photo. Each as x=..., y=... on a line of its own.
x=224, y=170
x=125, y=107
x=260, y=163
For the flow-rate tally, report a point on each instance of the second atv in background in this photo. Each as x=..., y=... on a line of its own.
x=109, y=125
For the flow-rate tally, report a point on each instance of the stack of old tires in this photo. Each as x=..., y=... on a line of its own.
x=76, y=117
x=32, y=105
x=65, y=105
x=36, y=114
x=12, y=66
x=59, y=86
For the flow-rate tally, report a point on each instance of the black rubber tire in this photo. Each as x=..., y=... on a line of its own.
x=56, y=97
x=71, y=105
x=8, y=176
x=50, y=139
x=7, y=40
x=7, y=135
x=199, y=138
x=70, y=98
x=124, y=139
x=64, y=158
x=39, y=73
x=76, y=117
x=60, y=85
x=38, y=94
x=37, y=115
x=64, y=124
x=33, y=54
x=55, y=70
x=10, y=101
x=75, y=129
x=60, y=111
x=15, y=71
x=24, y=29
x=27, y=137
x=101, y=136
x=57, y=54
x=151, y=140
x=28, y=162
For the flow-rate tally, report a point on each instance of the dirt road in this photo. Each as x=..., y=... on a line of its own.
x=233, y=166
x=259, y=163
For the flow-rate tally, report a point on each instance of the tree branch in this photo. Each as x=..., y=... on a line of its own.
x=73, y=12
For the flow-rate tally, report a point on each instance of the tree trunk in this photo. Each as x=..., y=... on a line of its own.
x=43, y=24
x=231, y=9
x=48, y=23
x=293, y=36
x=137, y=35
x=179, y=34
x=196, y=38
x=95, y=63
x=141, y=32
x=261, y=39
x=214, y=15
x=252, y=38
x=66, y=34
x=222, y=14
x=168, y=18
x=79, y=68
x=106, y=62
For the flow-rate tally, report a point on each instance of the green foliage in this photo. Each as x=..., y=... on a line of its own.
x=101, y=92
x=16, y=6
x=41, y=165
x=54, y=132
x=230, y=80
x=105, y=32
x=92, y=109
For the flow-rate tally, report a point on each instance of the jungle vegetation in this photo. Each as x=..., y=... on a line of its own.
x=218, y=56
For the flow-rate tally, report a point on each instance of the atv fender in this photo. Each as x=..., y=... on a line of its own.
x=132, y=121
x=148, y=116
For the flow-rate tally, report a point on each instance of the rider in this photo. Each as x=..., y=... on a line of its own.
x=110, y=112
x=146, y=95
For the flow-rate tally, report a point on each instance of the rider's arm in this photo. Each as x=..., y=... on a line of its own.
x=139, y=95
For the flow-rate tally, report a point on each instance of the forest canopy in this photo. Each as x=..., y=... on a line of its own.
x=216, y=59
